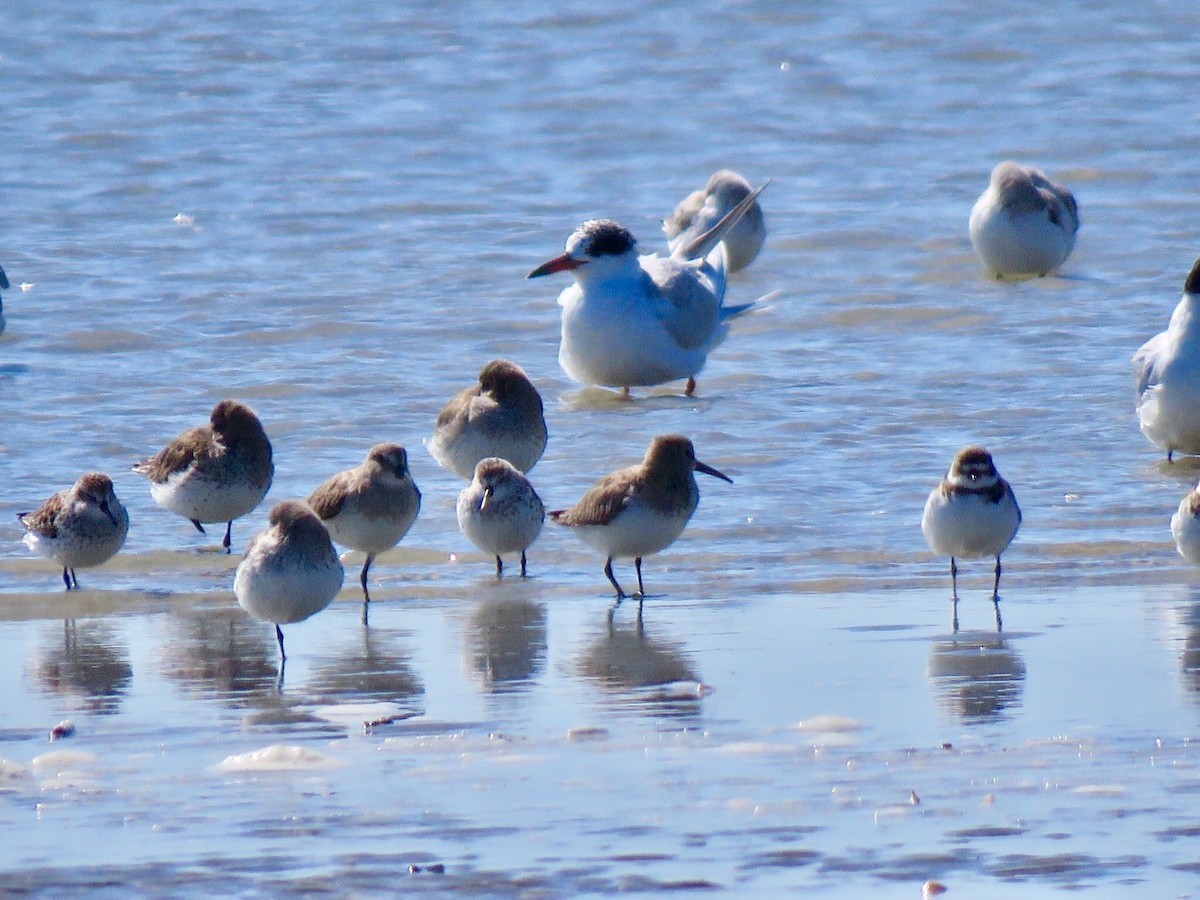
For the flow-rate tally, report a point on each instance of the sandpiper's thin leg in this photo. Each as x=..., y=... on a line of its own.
x=522, y=563
x=74, y=580
x=608, y=571
x=362, y=579
x=999, y=624
x=637, y=564
x=1170, y=453
x=228, y=542
x=67, y=577
x=996, y=584
x=499, y=566
x=953, y=579
x=199, y=527
x=954, y=604
x=691, y=387
x=279, y=637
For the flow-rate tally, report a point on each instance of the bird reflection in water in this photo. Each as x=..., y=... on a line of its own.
x=976, y=676
x=1189, y=654
x=643, y=674
x=87, y=662
x=222, y=653
x=505, y=643
x=366, y=665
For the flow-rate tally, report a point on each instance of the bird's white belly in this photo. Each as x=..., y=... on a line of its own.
x=206, y=499
x=625, y=346
x=1018, y=244
x=1169, y=412
x=1185, y=528
x=637, y=531
x=370, y=534
x=969, y=527
x=283, y=591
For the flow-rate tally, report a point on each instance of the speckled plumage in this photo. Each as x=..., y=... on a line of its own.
x=80, y=527
x=499, y=511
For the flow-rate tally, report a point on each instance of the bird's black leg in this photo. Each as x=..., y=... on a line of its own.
x=637, y=564
x=228, y=542
x=67, y=577
x=608, y=571
x=522, y=563
x=362, y=578
x=199, y=527
x=996, y=596
x=953, y=579
x=499, y=566
x=279, y=637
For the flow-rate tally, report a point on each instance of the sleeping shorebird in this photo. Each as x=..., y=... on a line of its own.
x=701, y=210
x=370, y=507
x=290, y=570
x=216, y=472
x=1024, y=223
x=642, y=509
x=80, y=527
x=633, y=320
x=501, y=416
x=971, y=514
x=499, y=511
x=1166, y=376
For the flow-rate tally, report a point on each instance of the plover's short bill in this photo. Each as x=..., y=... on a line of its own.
x=290, y=570
x=701, y=210
x=1024, y=223
x=501, y=416
x=631, y=320
x=499, y=511
x=370, y=507
x=1185, y=526
x=216, y=472
x=972, y=514
x=1166, y=376
x=80, y=527
x=640, y=510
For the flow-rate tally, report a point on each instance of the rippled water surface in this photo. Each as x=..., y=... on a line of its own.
x=328, y=212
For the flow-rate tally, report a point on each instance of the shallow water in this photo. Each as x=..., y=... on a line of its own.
x=329, y=214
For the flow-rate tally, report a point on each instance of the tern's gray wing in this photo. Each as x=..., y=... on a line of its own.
x=684, y=298
x=1146, y=372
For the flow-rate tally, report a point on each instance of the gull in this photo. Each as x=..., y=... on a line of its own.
x=1024, y=223
x=701, y=210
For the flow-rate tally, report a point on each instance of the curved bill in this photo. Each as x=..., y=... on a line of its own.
x=709, y=470
x=562, y=263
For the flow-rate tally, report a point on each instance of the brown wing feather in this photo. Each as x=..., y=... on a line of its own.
x=177, y=455
x=458, y=406
x=43, y=520
x=604, y=501
x=327, y=500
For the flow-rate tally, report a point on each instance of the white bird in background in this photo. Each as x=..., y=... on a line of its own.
x=1185, y=526
x=1024, y=223
x=971, y=514
x=1166, y=375
x=633, y=320
x=701, y=210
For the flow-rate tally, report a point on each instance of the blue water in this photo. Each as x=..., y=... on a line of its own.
x=329, y=212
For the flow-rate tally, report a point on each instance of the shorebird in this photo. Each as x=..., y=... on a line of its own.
x=640, y=510
x=1185, y=526
x=631, y=320
x=1166, y=376
x=370, y=507
x=80, y=527
x=499, y=511
x=701, y=210
x=1024, y=223
x=216, y=472
x=972, y=514
x=501, y=416
x=290, y=570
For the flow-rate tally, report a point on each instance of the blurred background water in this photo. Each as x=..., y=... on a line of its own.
x=328, y=212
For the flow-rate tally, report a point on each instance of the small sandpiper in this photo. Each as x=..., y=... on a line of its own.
x=1024, y=223
x=701, y=210
x=216, y=472
x=499, y=511
x=290, y=570
x=370, y=507
x=501, y=416
x=1185, y=526
x=1166, y=376
x=972, y=514
x=80, y=527
x=642, y=509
